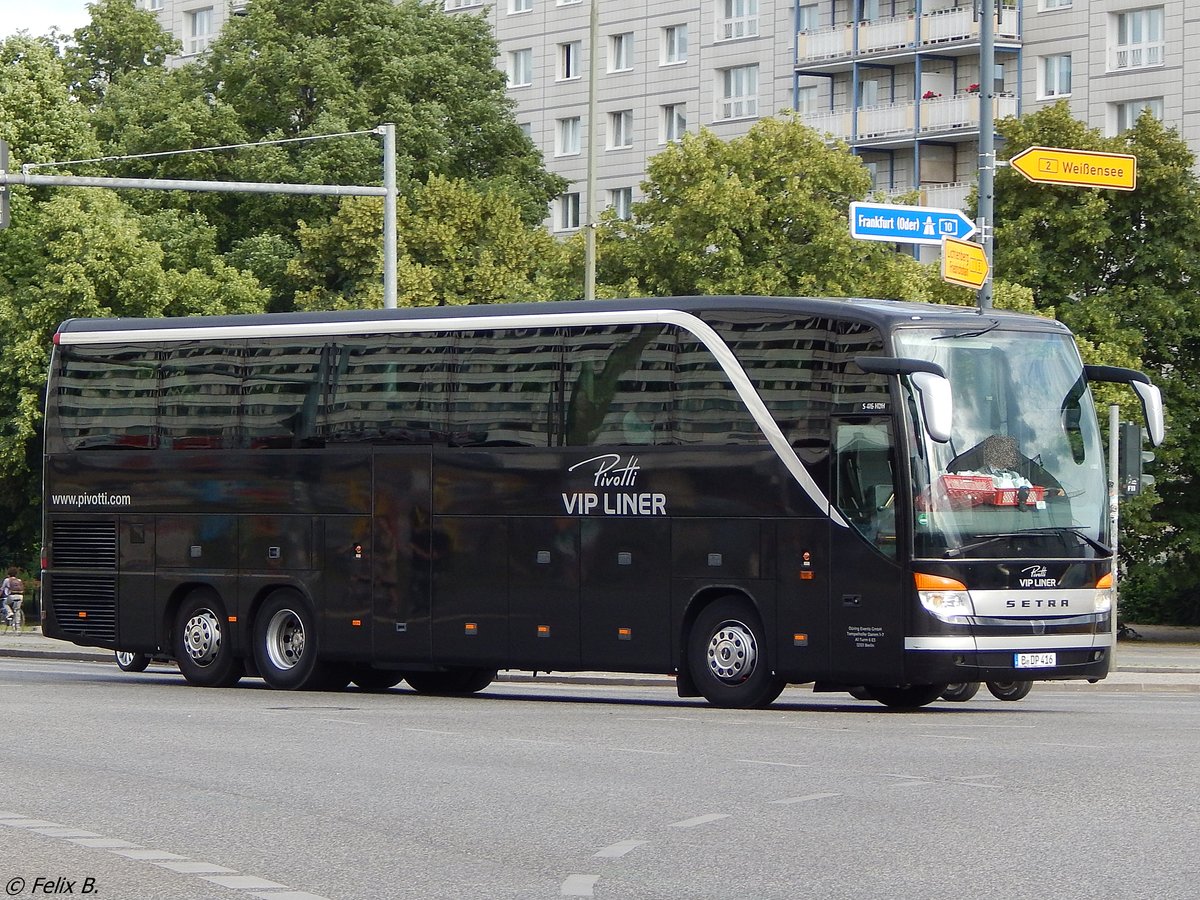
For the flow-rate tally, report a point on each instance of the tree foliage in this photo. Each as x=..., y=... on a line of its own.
x=759, y=214
x=1119, y=269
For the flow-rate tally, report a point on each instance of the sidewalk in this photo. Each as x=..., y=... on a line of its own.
x=1164, y=658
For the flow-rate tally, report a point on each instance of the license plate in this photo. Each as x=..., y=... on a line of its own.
x=1035, y=660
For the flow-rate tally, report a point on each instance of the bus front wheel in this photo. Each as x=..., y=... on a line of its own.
x=727, y=657
x=202, y=645
x=285, y=644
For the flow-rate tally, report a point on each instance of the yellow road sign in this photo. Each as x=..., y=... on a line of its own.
x=963, y=262
x=1077, y=168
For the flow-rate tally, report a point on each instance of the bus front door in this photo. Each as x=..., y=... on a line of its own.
x=867, y=586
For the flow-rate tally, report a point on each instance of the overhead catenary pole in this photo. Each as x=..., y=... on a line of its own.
x=987, y=140
x=388, y=191
x=589, y=234
x=389, y=215
x=1114, y=464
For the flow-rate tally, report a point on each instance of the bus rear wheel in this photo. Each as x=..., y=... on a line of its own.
x=372, y=680
x=727, y=657
x=128, y=661
x=285, y=644
x=961, y=692
x=909, y=696
x=453, y=681
x=1010, y=690
x=202, y=646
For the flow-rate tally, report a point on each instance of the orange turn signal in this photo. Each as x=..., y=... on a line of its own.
x=1105, y=582
x=936, y=583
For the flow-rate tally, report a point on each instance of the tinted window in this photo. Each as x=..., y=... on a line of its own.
x=503, y=385
x=284, y=394
x=104, y=399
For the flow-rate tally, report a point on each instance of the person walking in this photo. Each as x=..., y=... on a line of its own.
x=12, y=592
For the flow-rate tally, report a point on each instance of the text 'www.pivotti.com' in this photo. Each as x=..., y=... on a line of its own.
x=103, y=498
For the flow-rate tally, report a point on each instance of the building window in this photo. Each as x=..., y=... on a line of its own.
x=868, y=93
x=739, y=97
x=1056, y=76
x=568, y=211
x=154, y=5
x=567, y=143
x=807, y=17
x=1055, y=4
x=526, y=129
x=1139, y=39
x=520, y=68
x=621, y=201
x=520, y=6
x=739, y=19
x=620, y=52
x=200, y=24
x=674, y=44
x=461, y=4
x=1127, y=113
x=806, y=100
x=620, y=129
x=569, y=57
x=674, y=122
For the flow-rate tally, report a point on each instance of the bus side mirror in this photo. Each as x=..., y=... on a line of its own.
x=933, y=388
x=1152, y=409
x=1148, y=393
x=937, y=404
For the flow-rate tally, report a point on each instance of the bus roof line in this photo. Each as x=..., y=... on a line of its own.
x=689, y=322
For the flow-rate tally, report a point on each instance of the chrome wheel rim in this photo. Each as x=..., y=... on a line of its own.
x=124, y=657
x=202, y=637
x=285, y=639
x=732, y=652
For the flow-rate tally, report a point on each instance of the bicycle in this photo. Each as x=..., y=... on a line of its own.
x=15, y=618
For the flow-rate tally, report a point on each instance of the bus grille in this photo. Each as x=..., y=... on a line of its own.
x=84, y=545
x=86, y=605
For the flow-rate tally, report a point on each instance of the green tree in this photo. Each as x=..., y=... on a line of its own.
x=457, y=245
x=760, y=214
x=119, y=39
x=1118, y=268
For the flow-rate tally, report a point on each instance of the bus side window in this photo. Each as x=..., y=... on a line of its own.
x=864, y=481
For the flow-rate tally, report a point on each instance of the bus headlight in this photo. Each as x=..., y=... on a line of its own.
x=1104, y=595
x=945, y=598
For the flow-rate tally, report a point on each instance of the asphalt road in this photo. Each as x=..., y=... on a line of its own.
x=154, y=789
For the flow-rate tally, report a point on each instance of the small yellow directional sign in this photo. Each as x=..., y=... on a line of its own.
x=1077, y=168
x=963, y=262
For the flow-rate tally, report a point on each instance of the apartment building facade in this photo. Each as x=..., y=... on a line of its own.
x=898, y=80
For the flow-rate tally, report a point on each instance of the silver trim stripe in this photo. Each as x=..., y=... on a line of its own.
x=1043, y=603
x=688, y=322
x=1015, y=643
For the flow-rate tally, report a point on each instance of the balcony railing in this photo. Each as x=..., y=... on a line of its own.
x=936, y=28
x=899, y=120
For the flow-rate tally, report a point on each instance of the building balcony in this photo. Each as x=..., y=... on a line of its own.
x=946, y=31
x=895, y=124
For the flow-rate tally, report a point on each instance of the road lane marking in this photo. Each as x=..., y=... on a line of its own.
x=619, y=849
x=699, y=820
x=805, y=799
x=243, y=882
x=163, y=859
x=579, y=885
x=195, y=867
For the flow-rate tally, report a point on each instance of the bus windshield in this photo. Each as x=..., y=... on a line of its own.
x=1023, y=472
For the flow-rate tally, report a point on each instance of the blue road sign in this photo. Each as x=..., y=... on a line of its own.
x=908, y=224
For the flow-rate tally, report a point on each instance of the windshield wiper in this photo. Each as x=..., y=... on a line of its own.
x=964, y=334
x=1055, y=531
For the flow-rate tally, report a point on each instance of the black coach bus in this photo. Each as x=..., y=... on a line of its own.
x=744, y=492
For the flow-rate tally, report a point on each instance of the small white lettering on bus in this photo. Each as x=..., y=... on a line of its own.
x=616, y=504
